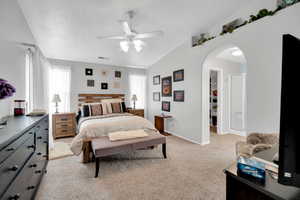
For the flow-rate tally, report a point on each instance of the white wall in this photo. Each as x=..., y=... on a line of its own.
x=13, y=29
x=79, y=80
x=261, y=42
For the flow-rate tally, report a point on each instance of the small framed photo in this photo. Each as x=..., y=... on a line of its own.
x=166, y=86
x=104, y=86
x=178, y=75
x=179, y=95
x=165, y=106
x=156, y=96
x=90, y=83
x=118, y=74
x=88, y=72
x=156, y=80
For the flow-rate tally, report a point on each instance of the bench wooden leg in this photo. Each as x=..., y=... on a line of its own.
x=164, y=150
x=97, y=167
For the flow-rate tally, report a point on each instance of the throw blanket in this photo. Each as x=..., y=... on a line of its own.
x=93, y=127
x=126, y=135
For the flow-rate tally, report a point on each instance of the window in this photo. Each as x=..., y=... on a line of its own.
x=29, y=80
x=60, y=83
x=137, y=86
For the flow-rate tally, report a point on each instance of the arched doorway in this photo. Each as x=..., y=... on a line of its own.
x=224, y=92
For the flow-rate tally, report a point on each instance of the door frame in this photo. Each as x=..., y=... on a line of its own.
x=206, y=103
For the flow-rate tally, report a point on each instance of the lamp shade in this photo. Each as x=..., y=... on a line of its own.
x=134, y=98
x=56, y=98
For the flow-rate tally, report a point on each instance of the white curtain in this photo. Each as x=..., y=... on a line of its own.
x=137, y=86
x=60, y=83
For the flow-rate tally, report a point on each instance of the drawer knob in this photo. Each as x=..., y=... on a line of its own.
x=30, y=133
x=38, y=171
x=40, y=137
x=39, y=153
x=15, y=197
x=30, y=187
x=10, y=149
x=46, y=129
x=33, y=165
x=14, y=168
x=30, y=147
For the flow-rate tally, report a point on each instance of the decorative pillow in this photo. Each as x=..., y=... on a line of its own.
x=108, y=102
x=116, y=107
x=96, y=109
x=124, y=109
x=86, y=112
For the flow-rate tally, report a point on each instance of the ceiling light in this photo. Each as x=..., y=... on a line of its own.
x=124, y=46
x=138, y=45
x=237, y=53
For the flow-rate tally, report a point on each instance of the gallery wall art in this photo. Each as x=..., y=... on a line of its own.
x=88, y=72
x=156, y=96
x=156, y=80
x=90, y=83
x=166, y=106
x=118, y=74
x=166, y=86
x=104, y=86
x=178, y=75
x=179, y=95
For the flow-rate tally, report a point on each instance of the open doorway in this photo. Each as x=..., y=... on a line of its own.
x=224, y=93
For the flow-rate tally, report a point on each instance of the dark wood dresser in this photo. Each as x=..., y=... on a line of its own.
x=23, y=156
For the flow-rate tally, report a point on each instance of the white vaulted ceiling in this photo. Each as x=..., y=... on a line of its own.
x=67, y=29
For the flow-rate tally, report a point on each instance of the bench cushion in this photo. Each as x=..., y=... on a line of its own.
x=102, y=146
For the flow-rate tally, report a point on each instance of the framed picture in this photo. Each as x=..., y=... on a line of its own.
x=118, y=74
x=90, y=83
x=156, y=96
x=178, y=75
x=179, y=95
x=116, y=85
x=104, y=86
x=156, y=80
x=166, y=86
x=88, y=72
x=165, y=106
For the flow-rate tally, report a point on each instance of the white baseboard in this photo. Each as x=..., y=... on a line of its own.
x=184, y=138
x=235, y=132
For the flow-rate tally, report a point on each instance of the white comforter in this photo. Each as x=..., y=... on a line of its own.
x=93, y=127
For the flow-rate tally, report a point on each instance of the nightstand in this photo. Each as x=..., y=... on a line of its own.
x=137, y=112
x=159, y=122
x=64, y=125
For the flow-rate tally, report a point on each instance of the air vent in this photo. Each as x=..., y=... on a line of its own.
x=103, y=58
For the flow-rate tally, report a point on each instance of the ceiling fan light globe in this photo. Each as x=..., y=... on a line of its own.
x=124, y=45
x=138, y=45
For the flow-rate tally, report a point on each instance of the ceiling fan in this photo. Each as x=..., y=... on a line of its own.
x=131, y=37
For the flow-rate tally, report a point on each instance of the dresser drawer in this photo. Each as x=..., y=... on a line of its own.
x=13, y=164
x=11, y=148
x=63, y=119
x=64, y=125
x=25, y=185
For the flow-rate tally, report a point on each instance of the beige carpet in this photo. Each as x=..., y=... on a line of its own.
x=190, y=172
x=60, y=150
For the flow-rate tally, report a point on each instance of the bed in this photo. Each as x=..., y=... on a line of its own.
x=92, y=127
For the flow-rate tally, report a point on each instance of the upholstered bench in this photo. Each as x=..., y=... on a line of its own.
x=102, y=146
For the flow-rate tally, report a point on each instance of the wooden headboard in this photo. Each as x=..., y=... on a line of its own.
x=95, y=98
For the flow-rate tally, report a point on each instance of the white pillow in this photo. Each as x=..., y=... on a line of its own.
x=108, y=103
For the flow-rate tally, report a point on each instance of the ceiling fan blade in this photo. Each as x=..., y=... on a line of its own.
x=116, y=37
x=149, y=35
x=126, y=28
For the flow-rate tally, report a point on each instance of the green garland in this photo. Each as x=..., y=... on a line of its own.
x=261, y=14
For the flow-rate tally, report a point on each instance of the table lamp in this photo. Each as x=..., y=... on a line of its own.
x=56, y=99
x=134, y=99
